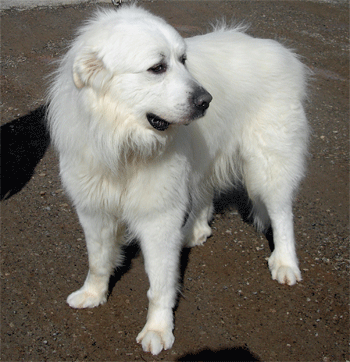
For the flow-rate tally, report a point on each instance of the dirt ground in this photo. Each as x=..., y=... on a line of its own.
x=230, y=309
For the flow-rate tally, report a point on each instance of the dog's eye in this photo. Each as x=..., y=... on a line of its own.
x=183, y=59
x=157, y=69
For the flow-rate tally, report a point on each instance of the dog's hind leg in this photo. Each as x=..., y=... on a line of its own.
x=197, y=230
x=273, y=165
x=103, y=240
x=283, y=262
x=271, y=183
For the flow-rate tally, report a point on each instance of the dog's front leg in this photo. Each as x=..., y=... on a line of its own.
x=161, y=243
x=104, y=238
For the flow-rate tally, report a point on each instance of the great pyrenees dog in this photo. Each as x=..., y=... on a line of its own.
x=149, y=125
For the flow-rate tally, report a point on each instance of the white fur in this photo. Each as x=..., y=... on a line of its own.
x=122, y=173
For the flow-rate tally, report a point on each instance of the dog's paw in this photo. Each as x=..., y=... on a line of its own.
x=84, y=298
x=200, y=233
x=284, y=272
x=155, y=341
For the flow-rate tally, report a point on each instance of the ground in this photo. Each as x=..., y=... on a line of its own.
x=229, y=306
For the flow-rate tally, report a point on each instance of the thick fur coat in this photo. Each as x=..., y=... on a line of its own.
x=149, y=125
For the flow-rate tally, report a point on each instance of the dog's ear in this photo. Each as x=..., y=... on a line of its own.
x=89, y=70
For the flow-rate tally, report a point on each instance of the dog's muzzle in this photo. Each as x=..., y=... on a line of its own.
x=200, y=100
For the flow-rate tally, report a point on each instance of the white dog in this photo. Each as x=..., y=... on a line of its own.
x=148, y=124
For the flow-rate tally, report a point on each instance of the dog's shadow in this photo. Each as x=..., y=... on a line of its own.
x=130, y=251
x=228, y=354
x=24, y=142
x=237, y=198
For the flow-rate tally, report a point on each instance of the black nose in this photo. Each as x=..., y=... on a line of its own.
x=201, y=99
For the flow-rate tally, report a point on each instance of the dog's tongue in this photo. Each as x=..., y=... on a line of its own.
x=157, y=123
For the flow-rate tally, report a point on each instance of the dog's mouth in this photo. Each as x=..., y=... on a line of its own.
x=157, y=123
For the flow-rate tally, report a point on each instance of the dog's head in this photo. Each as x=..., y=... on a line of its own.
x=138, y=61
